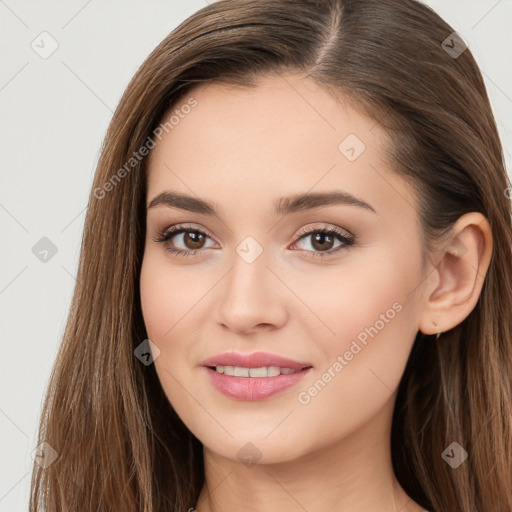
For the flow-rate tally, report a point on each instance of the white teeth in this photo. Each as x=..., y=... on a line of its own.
x=273, y=371
x=241, y=372
x=264, y=371
x=258, y=372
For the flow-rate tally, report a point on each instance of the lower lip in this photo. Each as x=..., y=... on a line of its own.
x=254, y=388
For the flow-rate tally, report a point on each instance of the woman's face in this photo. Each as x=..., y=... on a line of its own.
x=265, y=276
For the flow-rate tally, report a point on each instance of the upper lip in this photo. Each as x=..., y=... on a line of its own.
x=254, y=360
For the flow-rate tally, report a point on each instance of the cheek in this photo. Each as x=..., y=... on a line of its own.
x=374, y=318
x=167, y=300
x=367, y=297
x=155, y=303
x=166, y=296
x=371, y=316
x=173, y=300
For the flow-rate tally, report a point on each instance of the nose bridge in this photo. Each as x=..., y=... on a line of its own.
x=249, y=274
x=249, y=297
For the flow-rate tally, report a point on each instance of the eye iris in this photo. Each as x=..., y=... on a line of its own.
x=321, y=238
x=195, y=238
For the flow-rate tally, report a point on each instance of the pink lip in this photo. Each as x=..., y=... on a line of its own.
x=254, y=388
x=254, y=360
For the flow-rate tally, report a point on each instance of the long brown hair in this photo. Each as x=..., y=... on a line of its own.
x=120, y=444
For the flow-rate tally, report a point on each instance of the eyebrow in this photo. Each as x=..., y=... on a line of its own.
x=283, y=206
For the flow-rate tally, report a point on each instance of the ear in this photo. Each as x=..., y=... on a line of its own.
x=453, y=287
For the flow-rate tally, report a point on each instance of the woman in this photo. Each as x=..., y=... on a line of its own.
x=294, y=284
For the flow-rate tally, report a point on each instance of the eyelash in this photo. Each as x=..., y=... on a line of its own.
x=169, y=233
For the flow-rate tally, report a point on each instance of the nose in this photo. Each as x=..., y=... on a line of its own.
x=252, y=297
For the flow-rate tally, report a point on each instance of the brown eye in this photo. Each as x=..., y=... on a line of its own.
x=193, y=240
x=182, y=240
x=323, y=241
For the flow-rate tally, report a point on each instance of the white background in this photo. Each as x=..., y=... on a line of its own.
x=54, y=113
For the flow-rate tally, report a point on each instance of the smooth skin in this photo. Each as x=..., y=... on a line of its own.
x=242, y=150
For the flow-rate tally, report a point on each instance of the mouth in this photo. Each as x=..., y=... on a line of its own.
x=256, y=376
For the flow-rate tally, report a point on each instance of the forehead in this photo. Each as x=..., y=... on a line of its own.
x=285, y=136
